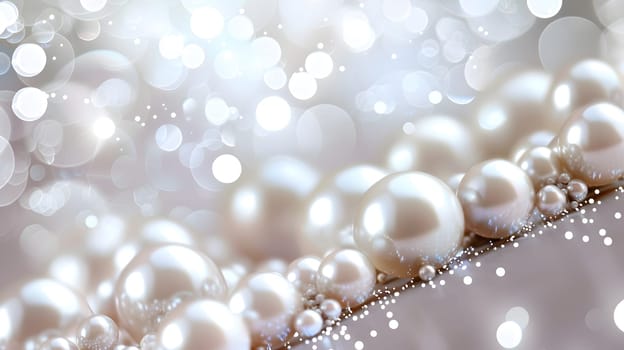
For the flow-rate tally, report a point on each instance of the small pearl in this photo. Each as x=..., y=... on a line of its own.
x=407, y=220
x=551, y=200
x=302, y=273
x=331, y=309
x=591, y=144
x=203, y=324
x=268, y=303
x=58, y=343
x=347, y=276
x=540, y=138
x=97, y=332
x=497, y=198
x=426, y=272
x=577, y=190
x=541, y=164
x=308, y=323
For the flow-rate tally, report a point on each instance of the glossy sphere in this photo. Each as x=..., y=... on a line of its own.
x=577, y=190
x=331, y=309
x=268, y=303
x=346, y=275
x=585, y=82
x=541, y=164
x=497, y=197
x=58, y=343
x=203, y=324
x=551, y=200
x=302, y=273
x=157, y=278
x=536, y=139
x=591, y=144
x=308, y=323
x=97, y=332
x=263, y=213
x=331, y=207
x=407, y=220
x=37, y=306
x=438, y=145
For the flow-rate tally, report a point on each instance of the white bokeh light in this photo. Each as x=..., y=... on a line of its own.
x=171, y=46
x=29, y=104
x=266, y=52
x=544, y=8
x=168, y=137
x=207, y=23
x=396, y=10
x=93, y=5
x=357, y=32
x=104, y=128
x=8, y=14
x=193, y=56
x=29, y=60
x=509, y=334
x=302, y=85
x=618, y=315
x=319, y=64
x=226, y=168
x=275, y=78
x=240, y=28
x=273, y=113
x=217, y=111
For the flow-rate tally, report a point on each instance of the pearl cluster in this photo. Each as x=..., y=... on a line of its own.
x=359, y=227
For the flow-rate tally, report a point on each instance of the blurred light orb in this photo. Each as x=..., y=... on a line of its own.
x=29, y=104
x=302, y=85
x=104, y=128
x=618, y=315
x=240, y=28
x=206, y=23
x=168, y=137
x=266, y=52
x=544, y=8
x=478, y=8
x=193, y=56
x=396, y=10
x=171, y=46
x=275, y=78
x=217, y=111
x=319, y=64
x=8, y=14
x=226, y=168
x=357, y=32
x=273, y=113
x=509, y=334
x=29, y=60
x=555, y=53
x=417, y=21
x=93, y=5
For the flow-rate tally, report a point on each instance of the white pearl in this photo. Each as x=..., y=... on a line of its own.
x=268, y=303
x=541, y=164
x=536, y=139
x=497, y=198
x=591, y=144
x=308, y=323
x=331, y=309
x=158, y=277
x=97, y=332
x=203, y=324
x=347, y=276
x=302, y=273
x=58, y=343
x=331, y=207
x=407, y=220
x=551, y=200
x=577, y=190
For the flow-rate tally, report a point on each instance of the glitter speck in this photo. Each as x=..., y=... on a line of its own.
x=467, y=280
x=500, y=272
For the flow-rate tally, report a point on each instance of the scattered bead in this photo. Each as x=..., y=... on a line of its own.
x=308, y=323
x=426, y=272
x=98, y=332
x=551, y=200
x=577, y=190
x=331, y=309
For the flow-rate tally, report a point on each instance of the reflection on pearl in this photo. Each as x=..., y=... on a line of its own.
x=577, y=190
x=58, y=343
x=497, y=198
x=302, y=273
x=268, y=303
x=585, y=82
x=331, y=207
x=263, y=212
x=37, y=306
x=347, y=276
x=97, y=332
x=331, y=309
x=308, y=323
x=591, y=144
x=158, y=278
x=203, y=324
x=438, y=145
x=541, y=164
x=536, y=139
x=407, y=220
x=551, y=200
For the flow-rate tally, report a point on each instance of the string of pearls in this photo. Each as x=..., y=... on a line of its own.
x=358, y=227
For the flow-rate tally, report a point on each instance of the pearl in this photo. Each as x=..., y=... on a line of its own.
x=541, y=164
x=585, y=82
x=302, y=273
x=262, y=215
x=347, y=276
x=536, y=139
x=434, y=138
x=577, y=190
x=268, y=303
x=158, y=277
x=308, y=323
x=407, y=220
x=38, y=306
x=551, y=200
x=331, y=207
x=591, y=144
x=426, y=272
x=58, y=343
x=511, y=109
x=331, y=309
x=203, y=324
x=97, y=332
x=497, y=198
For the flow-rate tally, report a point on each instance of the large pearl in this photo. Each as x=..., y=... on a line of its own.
x=541, y=164
x=497, y=198
x=97, y=332
x=438, y=145
x=58, y=343
x=331, y=207
x=262, y=215
x=268, y=303
x=551, y=200
x=157, y=278
x=513, y=108
x=302, y=273
x=585, y=82
x=203, y=324
x=591, y=144
x=38, y=306
x=346, y=275
x=407, y=220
